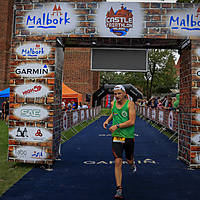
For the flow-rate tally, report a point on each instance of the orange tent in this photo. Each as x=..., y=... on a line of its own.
x=68, y=93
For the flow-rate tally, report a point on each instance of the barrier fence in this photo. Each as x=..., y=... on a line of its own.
x=188, y=142
x=72, y=118
x=167, y=118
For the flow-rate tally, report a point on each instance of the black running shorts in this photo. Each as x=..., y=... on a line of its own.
x=128, y=147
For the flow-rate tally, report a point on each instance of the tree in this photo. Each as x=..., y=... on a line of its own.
x=161, y=76
x=111, y=78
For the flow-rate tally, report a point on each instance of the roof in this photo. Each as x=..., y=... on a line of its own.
x=69, y=93
x=5, y=93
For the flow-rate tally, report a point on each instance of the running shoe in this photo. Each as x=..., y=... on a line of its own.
x=133, y=167
x=119, y=194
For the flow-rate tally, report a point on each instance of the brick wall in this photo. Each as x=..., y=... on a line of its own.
x=6, y=7
x=76, y=71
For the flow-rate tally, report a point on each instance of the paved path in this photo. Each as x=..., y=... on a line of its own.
x=86, y=171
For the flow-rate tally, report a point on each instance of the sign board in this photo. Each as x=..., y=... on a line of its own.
x=120, y=20
x=119, y=59
x=185, y=22
x=29, y=153
x=32, y=70
x=51, y=18
x=32, y=90
x=31, y=134
x=31, y=112
x=33, y=50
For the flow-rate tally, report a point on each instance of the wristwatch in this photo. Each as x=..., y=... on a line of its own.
x=117, y=125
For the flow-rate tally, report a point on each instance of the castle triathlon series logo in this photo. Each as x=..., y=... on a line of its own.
x=115, y=19
x=119, y=22
x=186, y=22
x=55, y=18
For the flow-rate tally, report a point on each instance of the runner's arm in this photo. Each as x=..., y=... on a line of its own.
x=109, y=118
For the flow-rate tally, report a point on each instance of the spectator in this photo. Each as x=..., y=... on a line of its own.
x=6, y=110
x=63, y=105
x=69, y=106
x=3, y=110
x=80, y=105
x=73, y=105
x=149, y=102
x=160, y=106
x=84, y=105
x=153, y=103
x=176, y=102
x=170, y=104
x=165, y=101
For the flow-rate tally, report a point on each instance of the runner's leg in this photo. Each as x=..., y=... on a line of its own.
x=129, y=151
x=117, y=149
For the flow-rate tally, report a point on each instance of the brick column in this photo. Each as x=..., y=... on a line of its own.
x=195, y=105
x=185, y=105
x=189, y=137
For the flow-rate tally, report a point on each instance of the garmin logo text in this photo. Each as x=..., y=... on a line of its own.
x=32, y=70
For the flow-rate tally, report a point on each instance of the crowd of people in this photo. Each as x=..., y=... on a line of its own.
x=5, y=110
x=167, y=102
x=72, y=105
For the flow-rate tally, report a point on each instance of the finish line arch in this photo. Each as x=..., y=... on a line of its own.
x=108, y=89
x=41, y=32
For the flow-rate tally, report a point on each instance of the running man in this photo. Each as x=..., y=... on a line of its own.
x=123, y=116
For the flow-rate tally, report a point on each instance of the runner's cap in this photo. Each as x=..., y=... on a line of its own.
x=119, y=87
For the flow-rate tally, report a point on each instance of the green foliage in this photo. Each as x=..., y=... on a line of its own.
x=11, y=172
x=111, y=78
x=105, y=111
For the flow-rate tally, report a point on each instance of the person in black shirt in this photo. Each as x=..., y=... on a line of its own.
x=6, y=110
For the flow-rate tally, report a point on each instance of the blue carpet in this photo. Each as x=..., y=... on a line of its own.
x=86, y=171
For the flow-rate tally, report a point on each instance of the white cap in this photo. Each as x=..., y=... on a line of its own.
x=119, y=87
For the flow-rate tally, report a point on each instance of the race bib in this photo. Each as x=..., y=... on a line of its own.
x=119, y=139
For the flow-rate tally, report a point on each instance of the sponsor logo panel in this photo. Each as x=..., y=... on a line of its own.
x=32, y=70
x=185, y=22
x=120, y=20
x=171, y=120
x=33, y=50
x=30, y=134
x=82, y=114
x=32, y=90
x=31, y=112
x=29, y=153
x=52, y=18
x=161, y=116
x=75, y=117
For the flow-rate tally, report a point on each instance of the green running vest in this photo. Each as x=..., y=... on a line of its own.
x=120, y=116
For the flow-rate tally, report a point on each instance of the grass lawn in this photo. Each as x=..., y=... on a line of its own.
x=10, y=172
